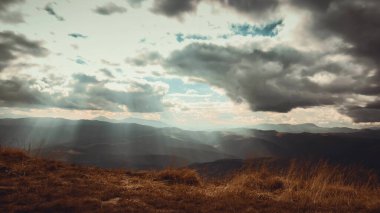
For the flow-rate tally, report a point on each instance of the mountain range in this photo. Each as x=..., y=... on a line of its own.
x=131, y=120
x=135, y=146
x=300, y=128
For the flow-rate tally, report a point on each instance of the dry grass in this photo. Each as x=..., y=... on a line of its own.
x=29, y=184
x=179, y=176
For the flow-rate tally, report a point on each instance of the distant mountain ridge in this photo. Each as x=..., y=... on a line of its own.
x=105, y=144
x=301, y=128
x=285, y=128
x=153, y=123
x=126, y=145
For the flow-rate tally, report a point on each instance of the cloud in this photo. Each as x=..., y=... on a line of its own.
x=174, y=8
x=283, y=78
x=368, y=113
x=85, y=79
x=146, y=58
x=13, y=17
x=356, y=22
x=4, y=4
x=109, y=9
x=135, y=3
x=17, y=92
x=14, y=45
x=77, y=35
x=107, y=73
x=276, y=80
x=90, y=93
x=86, y=92
x=321, y=5
x=252, y=7
x=10, y=17
x=145, y=101
x=50, y=10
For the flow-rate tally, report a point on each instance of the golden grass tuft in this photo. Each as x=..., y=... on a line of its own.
x=253, y=181
x=179, y=176
x=13, y=154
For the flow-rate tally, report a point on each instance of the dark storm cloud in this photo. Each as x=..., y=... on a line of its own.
x=135, y=3
x=50, y=10
x=4, y=4
x=277, y=80
x=281, y=79
x=254, y=7
x=175, y=8
x=12, y=44
x=25, y=92
x=172, y=8
x=368, y=113
x=109, y=9
x=358, y=24
x=266, y=80
x=7, y=16
x=17, y=92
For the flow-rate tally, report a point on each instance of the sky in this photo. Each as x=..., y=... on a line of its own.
x=195, y=64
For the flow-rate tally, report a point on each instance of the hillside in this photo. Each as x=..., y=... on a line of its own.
x=30, y=184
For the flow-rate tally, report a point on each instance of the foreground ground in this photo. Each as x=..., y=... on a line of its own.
x=29, y=184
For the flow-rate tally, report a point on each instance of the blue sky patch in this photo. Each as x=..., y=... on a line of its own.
x=269, y=30
x=176, y=85
x=80, y=61
x=180, y=37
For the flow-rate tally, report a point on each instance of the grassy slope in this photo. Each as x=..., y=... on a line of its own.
x=30, y=184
